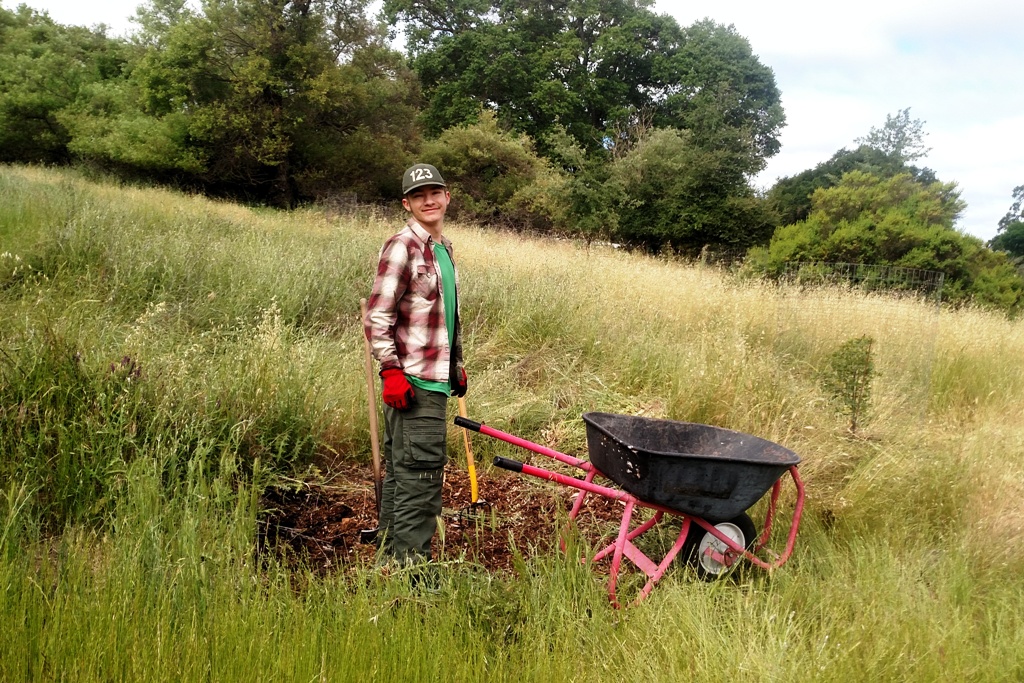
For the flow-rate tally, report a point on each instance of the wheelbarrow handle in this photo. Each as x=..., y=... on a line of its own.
x=466, y=423
x=507, y=464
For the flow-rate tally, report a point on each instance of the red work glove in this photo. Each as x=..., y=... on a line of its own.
x=397, y=390
x=459, y=383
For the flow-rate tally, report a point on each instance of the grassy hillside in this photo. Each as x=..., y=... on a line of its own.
x=164, y=357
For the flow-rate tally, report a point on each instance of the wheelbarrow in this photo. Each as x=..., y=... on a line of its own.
x=705, y=476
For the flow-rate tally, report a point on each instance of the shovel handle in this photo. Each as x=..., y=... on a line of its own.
x=474, y=491
x=371, y=393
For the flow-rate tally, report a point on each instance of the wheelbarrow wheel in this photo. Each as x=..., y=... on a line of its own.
x=740, y=529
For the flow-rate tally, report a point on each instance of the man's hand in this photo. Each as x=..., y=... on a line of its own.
x=459, y=383
x=397, y=390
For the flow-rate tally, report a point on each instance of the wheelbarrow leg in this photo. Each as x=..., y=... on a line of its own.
x=656, y=576
x=653, y=571
x=582, y=496
x=620, y=546
x=642, y=529
x=576, y=506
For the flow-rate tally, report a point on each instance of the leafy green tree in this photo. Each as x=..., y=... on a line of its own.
x=44, y=69
x=896, y=221
x=847, y=375
x=883, y=152
x=900, y=137
x=586, y=67
x=496, y=176
x=674, y=193
x=535, y=64
x=1010, y=237
x=589, y=81
x=791, y=196
x=589, y=202
x=155, y=19
x=712, y=84
x=267, y=100
x=1016, y=212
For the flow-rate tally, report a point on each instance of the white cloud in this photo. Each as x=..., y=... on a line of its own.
x=987, y=162
x=116, y=14
x=843, y=67
x=816, y=122
x=854, y=30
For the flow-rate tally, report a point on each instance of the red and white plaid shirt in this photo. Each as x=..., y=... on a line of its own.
x=405, y=315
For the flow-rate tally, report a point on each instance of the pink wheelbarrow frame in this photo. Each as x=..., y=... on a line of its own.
x=726, y=553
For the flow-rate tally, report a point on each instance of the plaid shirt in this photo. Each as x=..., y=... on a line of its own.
x=405, y=315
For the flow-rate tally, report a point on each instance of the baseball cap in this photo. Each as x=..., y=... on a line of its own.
x=419, y=175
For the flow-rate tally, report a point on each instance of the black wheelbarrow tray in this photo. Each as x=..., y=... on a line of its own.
x=707, y=476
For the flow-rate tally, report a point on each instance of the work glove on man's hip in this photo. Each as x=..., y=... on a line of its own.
x=397, y=392
x=458, y=383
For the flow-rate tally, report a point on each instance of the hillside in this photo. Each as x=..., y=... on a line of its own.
x=166, y=359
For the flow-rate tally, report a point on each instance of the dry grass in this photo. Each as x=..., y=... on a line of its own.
x=245, y=324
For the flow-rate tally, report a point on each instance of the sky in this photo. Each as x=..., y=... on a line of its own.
x=842, y=68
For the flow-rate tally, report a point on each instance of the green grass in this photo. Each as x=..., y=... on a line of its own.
x=164, y=357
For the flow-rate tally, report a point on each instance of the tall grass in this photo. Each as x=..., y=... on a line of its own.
x=163, y=357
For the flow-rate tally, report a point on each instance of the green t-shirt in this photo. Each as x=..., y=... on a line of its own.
x=444, y=262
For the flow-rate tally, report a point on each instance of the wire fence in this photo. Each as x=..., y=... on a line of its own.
x=926, y=284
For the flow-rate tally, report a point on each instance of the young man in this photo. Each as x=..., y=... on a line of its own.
x=412, y=322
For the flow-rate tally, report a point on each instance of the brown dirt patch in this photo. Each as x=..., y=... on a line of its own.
x=318, y=524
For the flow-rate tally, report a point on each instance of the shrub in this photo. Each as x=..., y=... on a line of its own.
x=902, y=222
x=674, y=193
x=494, y=176
x=847, y=377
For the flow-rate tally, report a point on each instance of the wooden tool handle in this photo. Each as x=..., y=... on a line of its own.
x=371, y=392
x=470, y=465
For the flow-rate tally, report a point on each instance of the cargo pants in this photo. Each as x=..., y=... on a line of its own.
x=415, y=454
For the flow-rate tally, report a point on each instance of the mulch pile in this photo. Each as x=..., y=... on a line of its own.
x=318, y=524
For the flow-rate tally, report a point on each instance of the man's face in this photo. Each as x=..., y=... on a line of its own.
x=427, y=204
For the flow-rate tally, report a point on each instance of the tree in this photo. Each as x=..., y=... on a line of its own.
x=675, y=193
x=495, y=176
x=899, y=137
x=1016, y=212
x=589, y=202
x=713, y=85
x=588, y=67
x=267, y=100
x=590, y=82
x=847, y=375
x=896, y=221
x=884, y=152
x=44, y=69
x=535, y=64
x=1010, y=237
x=791, y=196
